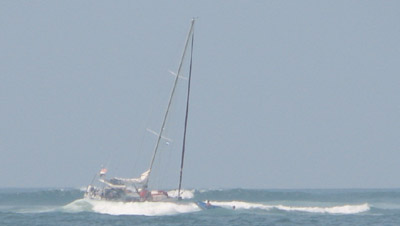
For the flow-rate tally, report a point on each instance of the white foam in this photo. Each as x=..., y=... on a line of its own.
x=172, y=208
x=36, y=209
x=241, y=205
x=185, y=194
x=343, y=209
x=83, y=188
x=79, y=205
x=131, y=208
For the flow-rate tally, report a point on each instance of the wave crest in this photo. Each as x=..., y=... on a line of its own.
x=130, y=208
x=185, y=194
x=343, y=209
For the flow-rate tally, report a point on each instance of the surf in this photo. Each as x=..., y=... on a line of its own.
x=339, y=209
x=131, y=208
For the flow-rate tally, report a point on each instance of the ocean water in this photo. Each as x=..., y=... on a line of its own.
x=252, y=207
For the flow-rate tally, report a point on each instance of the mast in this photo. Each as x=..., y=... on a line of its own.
x=186, y=117
x=160, y=134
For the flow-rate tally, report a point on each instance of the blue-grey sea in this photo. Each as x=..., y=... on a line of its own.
x=236, y=207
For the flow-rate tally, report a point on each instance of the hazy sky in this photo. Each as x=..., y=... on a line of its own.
x=285, y=94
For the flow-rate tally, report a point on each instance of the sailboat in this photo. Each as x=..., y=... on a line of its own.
x=136, y=189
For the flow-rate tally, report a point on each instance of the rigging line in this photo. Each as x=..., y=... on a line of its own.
x=170, y=100
x=149, y=116
x=186, y=117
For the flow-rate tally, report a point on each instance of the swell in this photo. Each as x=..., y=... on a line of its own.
x=248, y=200
x=131, y=208
x=333, y=209
x=309, y=195
x=18, y=197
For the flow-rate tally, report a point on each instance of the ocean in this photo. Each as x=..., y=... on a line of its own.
x=236, y=207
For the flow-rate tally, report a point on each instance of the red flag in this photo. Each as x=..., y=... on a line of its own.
x=103, y=171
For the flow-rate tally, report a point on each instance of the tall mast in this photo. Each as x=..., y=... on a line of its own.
x=160, y=134
x=186, y=117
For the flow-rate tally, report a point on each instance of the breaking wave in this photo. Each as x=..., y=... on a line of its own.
x=131, y=208
x=342, y=209
x=345, y=209
x=185, y=194
x=173, y=208
x=299, y=201
x=135, y=208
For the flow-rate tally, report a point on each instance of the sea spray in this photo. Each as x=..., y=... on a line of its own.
x=262, y=206
x=342, y=209
x=131, y=208
x=339, y=209
x=185, y=194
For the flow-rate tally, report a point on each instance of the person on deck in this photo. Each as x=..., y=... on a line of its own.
x=144, y=194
